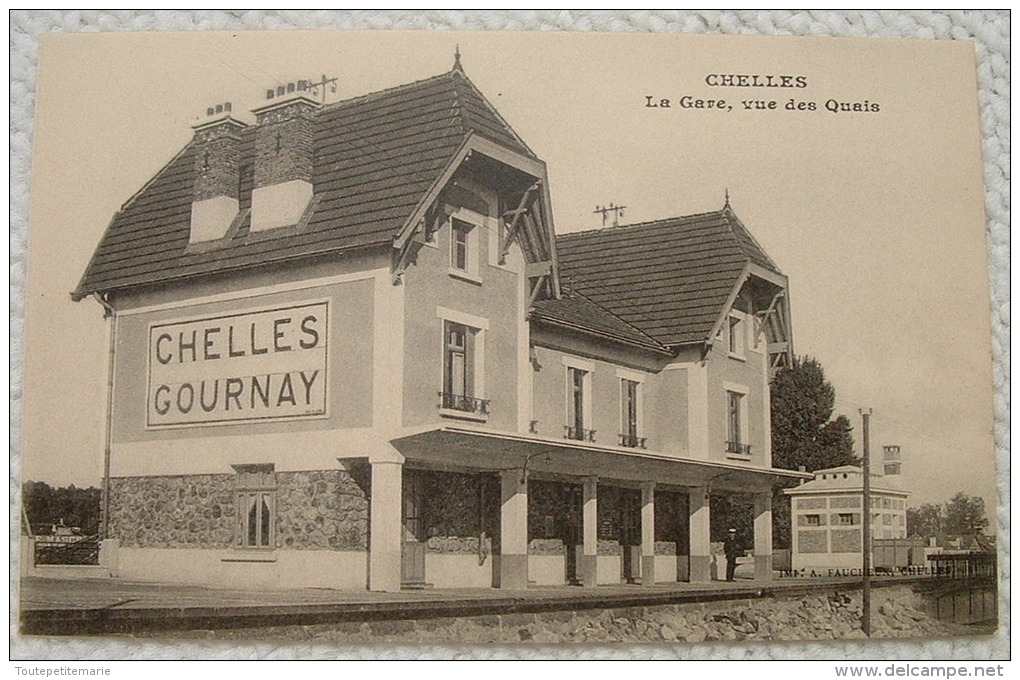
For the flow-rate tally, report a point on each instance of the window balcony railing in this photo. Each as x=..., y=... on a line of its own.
x=578, y=433
x=461, y=402
x=632, y=441
x=737, y=447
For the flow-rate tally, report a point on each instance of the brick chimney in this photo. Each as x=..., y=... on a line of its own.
x=284, y=152
x=217, y=161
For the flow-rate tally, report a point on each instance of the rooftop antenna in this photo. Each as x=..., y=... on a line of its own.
x=617, y=211
x=318, y=89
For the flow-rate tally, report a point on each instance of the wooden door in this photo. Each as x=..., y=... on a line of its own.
x=413, y=525
x=573, y=537
x=630, y=539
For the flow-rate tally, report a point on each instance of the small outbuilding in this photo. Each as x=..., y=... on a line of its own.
x=827, y=518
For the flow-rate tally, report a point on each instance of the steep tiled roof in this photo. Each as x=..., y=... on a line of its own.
x=669, y=278
x=376, y=156
x=576, y=311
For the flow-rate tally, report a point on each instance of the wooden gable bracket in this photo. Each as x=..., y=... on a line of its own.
x=764, y=317
x=536, y=288
x=776, y=320
x=511, y=220
x=423, y=232
x=404, y=256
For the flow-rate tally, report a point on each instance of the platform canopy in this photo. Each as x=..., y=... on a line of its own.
x=457, y=447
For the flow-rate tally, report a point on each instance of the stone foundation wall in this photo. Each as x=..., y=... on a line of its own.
x=321, y=510
x=187, y=511
x=612, y=548
x=318, y=510
x=831, y=615
x=546, y=546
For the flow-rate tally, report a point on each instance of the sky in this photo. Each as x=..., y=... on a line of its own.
x=876, y=217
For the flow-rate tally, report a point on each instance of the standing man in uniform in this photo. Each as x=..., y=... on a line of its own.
x=732, y=549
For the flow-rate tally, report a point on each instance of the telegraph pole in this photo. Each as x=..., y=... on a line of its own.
x=866, y=538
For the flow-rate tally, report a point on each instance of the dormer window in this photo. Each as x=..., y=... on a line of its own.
x=465, y=250
x=459, y=245
x=736, y=338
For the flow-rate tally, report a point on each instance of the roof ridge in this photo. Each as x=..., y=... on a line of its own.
x=649, y=223
x=458, y=105
x=384, y=92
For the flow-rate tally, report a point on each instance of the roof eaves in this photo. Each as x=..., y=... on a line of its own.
x=649, y=341
x=230, y=268
x=807, y=487
x=650, y=347
x=728, y=305
x=407, y=228
x=81, y=291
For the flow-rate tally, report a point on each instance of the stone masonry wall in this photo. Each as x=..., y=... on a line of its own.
x=671, y=523
x=321, y=510
x=554, y=517
x=317, y=510
x=192, y=511
x=461, y=510
x=897, y=613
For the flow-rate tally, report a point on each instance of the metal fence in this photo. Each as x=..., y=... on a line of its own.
x=964, y=565
x=84, y=550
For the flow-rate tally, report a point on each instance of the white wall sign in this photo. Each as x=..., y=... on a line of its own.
x=252, y=366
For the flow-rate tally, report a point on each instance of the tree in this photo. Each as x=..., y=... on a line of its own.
x=926, y=520
x=76, y=507
x=804, y=432
x=966, y=515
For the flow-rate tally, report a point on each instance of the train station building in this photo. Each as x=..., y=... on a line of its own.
x=348, y=349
